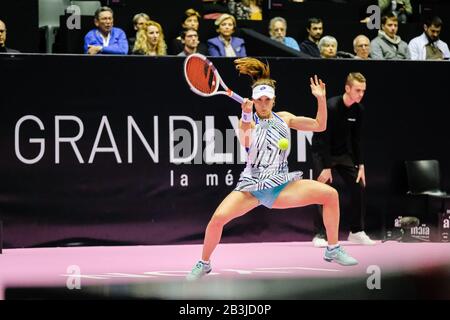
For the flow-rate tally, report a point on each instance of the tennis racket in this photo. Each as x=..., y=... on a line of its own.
x=204, y=79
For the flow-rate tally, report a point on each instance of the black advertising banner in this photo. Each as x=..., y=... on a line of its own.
x=118, y=149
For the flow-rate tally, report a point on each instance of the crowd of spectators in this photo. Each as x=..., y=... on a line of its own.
x=149, y=38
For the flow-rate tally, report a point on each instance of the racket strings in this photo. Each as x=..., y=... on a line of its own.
x=201, y=75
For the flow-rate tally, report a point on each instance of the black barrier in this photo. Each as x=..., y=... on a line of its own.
x=86, y=145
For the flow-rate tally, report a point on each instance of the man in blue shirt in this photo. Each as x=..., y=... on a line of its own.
x=105, y=39
x=277, y=30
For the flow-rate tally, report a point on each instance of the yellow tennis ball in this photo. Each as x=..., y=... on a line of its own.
x=283, y=144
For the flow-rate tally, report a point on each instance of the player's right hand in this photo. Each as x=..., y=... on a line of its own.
x=247, y=105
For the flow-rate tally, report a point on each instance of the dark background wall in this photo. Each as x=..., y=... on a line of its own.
x=46, y=203
x=21, y=18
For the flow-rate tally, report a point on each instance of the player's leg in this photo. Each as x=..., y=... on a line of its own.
x=234, y=205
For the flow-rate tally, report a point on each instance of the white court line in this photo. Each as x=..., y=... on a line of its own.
x=300, y=268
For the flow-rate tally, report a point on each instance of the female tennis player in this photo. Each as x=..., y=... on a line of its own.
x=266, y=179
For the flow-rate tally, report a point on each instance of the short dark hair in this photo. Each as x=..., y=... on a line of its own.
x=313, y=21
x=435, y=21
x=102, y=9
x=388, y=16
x=185, y=31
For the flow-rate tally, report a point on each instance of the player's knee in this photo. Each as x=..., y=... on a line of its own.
x=217, y=220
x=331, y=196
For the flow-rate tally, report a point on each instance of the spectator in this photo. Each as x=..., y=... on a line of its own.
x=315, y=31
x=150, y=41
x=428, y=46
x=246, y=9
x=3, y=47
x=277, y=31
x=388, y=45
x=225, y=45
x=190, y=40
x=191, y=20
x=402, y=9
x=361, y=46
x=139, y=21
x=328, y=47
x=105, y=39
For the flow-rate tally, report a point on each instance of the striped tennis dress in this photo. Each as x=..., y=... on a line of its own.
x=267, y=165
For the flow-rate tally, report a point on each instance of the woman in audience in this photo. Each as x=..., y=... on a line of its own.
x=150, y=41
x=328, y=47
x=224, y=45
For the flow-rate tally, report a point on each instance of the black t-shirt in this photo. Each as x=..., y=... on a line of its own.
x=310, y=48
x=343, y=133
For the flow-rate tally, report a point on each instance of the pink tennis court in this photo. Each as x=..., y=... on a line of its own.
x=239, y=269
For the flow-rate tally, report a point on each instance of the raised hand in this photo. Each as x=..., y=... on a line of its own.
x=317, y=87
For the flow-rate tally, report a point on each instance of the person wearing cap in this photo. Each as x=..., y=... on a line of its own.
x=266, y=179
x=225, y=45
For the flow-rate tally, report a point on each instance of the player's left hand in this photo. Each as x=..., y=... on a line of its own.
x=317, y=87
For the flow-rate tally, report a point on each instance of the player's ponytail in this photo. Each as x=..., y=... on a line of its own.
x=257, y=70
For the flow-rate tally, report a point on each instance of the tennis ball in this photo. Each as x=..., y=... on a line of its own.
x=283, y=144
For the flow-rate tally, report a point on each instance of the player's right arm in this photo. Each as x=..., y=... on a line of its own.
x=246, y=123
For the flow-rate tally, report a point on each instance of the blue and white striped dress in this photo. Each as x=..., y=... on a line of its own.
x=267, y=165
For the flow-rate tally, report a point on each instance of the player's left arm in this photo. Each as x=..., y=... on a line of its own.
x=317, y=124
x=299, y=123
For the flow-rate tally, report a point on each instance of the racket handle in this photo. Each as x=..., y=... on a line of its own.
x=236, y=97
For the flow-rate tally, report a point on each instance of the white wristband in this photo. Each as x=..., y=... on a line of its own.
x=247, y=116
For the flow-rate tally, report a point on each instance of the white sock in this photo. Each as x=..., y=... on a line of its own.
x=334, y=246
x=205, y=262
